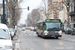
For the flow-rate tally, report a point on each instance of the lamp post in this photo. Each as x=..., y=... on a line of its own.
x=4, y=12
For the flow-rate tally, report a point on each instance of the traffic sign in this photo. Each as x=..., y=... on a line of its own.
x=65, y=22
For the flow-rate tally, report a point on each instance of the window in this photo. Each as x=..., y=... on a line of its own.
x=53, y=12
x=61, y=8
x=55, y=1
x=55, y=5
x=4, y=34
x=74, y=19
x=74, y=6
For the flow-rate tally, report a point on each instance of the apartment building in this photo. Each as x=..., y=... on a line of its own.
x=42, y=15
x=53, y=8
x=72, y=14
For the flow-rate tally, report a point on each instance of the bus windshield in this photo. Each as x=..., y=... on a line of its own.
x=53, y=26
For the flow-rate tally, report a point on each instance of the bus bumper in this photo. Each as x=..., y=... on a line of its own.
x=53, y=35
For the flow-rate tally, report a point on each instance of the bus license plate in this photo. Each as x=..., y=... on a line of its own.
x=56, y=31
x=52, y=31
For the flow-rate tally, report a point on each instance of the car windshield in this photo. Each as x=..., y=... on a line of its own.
x=53, y=25
x=11, y=30
x=70, y=29
x=4, y=34
x=73, y=28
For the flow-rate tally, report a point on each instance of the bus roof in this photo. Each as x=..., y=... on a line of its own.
x=40, y=21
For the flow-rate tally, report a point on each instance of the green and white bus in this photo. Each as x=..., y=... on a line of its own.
x=49, y=28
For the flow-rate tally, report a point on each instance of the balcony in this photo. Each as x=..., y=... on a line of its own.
x=72, y=13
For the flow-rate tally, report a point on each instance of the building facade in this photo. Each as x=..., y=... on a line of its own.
x=53, y=8
x=42, y=15
x=72, y=14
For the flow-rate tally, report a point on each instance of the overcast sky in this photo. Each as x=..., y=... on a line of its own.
x=31, y=3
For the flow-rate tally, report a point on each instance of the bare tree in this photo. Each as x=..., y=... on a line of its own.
x=15, y=14
x=33, y=17
x=29, y=20
x=44, y=7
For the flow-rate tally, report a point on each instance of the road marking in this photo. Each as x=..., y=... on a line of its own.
x=17, y=46
x=18, y=41
x=69, y=39
x=27, y=48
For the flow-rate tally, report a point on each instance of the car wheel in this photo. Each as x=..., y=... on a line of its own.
x=56, y=37
x=37, y=34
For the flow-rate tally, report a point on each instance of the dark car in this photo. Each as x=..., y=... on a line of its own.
x=73, y=32
x=68, y=31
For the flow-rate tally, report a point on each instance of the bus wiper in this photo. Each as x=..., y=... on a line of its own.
x=2, y=38
x=55, y=28
x=50, y=29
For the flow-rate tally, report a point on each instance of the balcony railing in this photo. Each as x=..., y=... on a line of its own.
x=72, y=13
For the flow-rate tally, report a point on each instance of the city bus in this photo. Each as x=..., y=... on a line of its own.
x=49, y=28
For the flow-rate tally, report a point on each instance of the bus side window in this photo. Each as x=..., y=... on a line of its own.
x=44, y=27
x=44, y=23
x=41, y=27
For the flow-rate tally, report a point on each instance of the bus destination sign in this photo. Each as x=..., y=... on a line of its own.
x=52, y=20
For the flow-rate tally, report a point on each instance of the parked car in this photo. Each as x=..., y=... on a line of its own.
x=5, y=39
x=73, y=32
x=35, y=28
x=12, y=32
x=68, y=31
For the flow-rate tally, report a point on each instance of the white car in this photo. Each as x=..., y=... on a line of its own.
x=5, y=39
x=32, y=28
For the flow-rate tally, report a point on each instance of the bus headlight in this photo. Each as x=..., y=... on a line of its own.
x=60, y=32
x=45, y=32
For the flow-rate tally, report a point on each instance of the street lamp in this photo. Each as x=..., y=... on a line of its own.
x=4, y=12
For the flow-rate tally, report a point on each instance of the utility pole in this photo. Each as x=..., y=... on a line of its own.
x=14, y=18
x=4, y=12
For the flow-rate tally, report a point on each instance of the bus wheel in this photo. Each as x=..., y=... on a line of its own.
x=56, y=37
x=39, y=36
x=71, y=34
